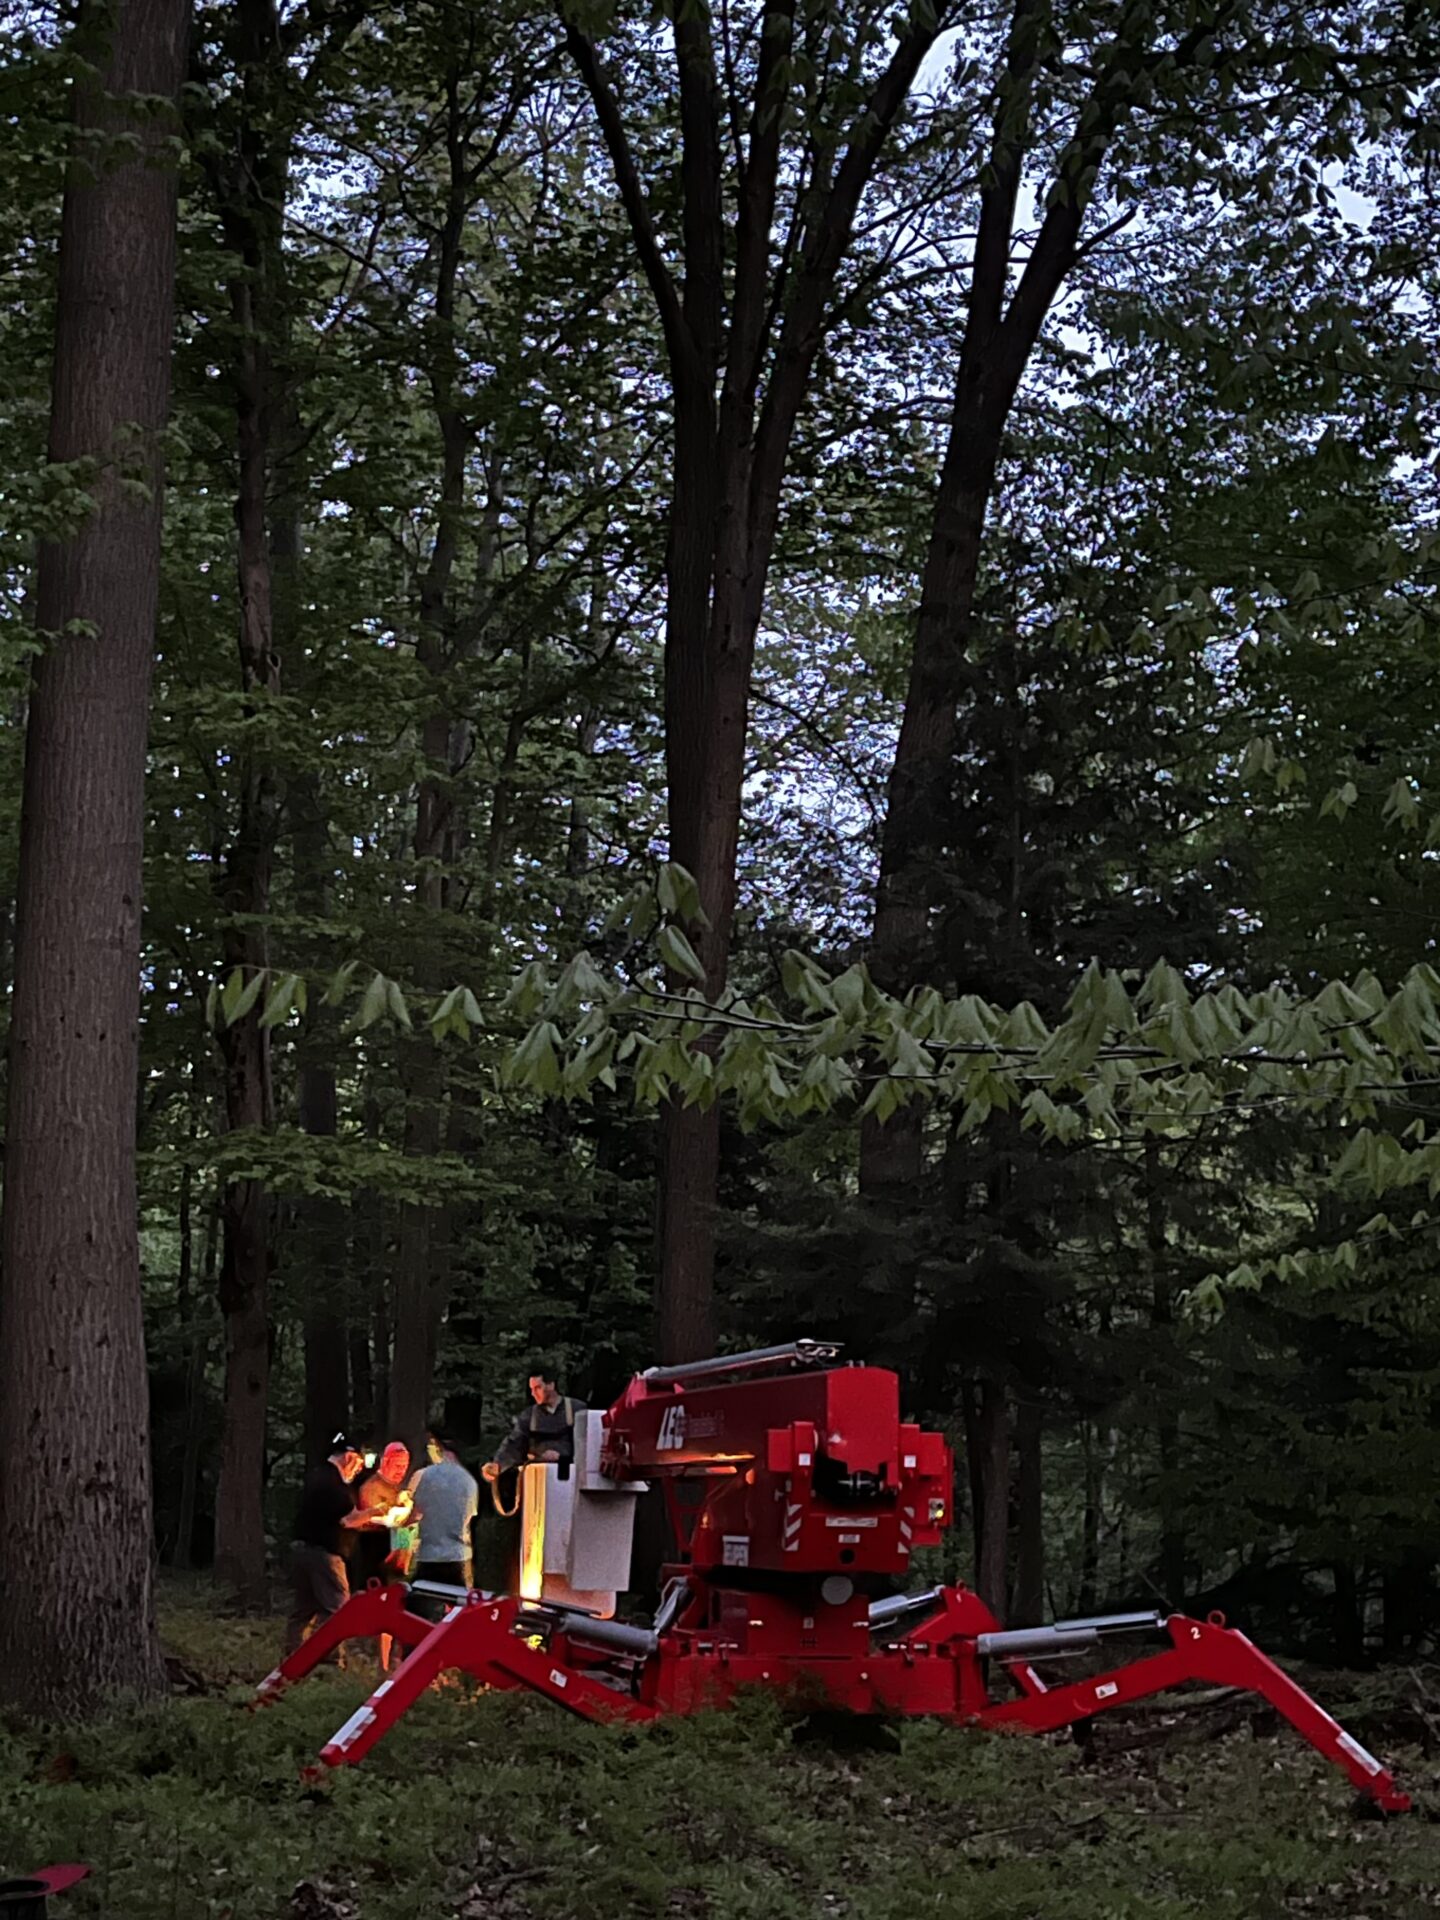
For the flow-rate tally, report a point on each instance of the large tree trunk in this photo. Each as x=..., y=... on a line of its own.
x=322, y=1242
x=1173, y=1540
x=253, y=190
x=321, y=1220
x=1094, y=1494
x=371, y=1258
x=73, y=1400
x=245, y=1261
x=1028, y=1607
x=990, y=1474
x=423, y=1227
x=1349, y=1615
x=195, y=1402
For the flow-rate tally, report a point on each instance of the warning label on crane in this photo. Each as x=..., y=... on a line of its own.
x=735, y=1549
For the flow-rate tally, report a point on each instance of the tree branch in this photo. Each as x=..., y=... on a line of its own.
x=1000, y=180
x=1113, y=98
x=678, y=343
x=821, y=253
x=702, y=216
x=756, y=214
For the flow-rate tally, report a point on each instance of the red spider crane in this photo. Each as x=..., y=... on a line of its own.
x=815, y=1494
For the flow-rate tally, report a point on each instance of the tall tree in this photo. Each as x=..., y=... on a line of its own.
x=252, y=188
x=743, y=321
x=1098, y=113
x=472, y=125
x=73, y=1415
x=277, y=65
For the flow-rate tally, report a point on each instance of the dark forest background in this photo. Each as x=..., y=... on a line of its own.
x=962, y=488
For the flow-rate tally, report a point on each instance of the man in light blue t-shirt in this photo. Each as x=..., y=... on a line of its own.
x=447, y=1499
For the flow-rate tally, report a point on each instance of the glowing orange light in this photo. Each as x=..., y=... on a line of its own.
x=532, y=1534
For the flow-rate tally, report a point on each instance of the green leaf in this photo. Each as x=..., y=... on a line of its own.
x=1402, y=804
x=679, y=956
x=281, y=1001
x=448, y=1014
x=529, y=990
x=535, y=1063
x=339, y=984
x=373, y=1003
x=849, y=989
x=240, y=994
x=1338, y=801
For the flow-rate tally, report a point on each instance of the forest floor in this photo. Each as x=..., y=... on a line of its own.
x=502, y=1808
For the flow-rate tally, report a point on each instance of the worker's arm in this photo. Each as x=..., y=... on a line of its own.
x=513, y=1451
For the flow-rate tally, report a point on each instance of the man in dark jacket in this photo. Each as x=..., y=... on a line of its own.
x=544, y=1431
x=326, y=1518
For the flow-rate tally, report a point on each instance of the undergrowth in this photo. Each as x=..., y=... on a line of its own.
x=502, y=1808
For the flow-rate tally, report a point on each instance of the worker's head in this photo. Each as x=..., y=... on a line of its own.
x=395, y=1462
x=438, y=1447
x=346, y=1459
x=544, y=1390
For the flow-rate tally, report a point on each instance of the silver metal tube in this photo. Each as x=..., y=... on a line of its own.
x=441, y=1591
x=1034, y=1641
x=1115, y=1622
x=901, y=1606
x=613, y=1636
x=806, y=1352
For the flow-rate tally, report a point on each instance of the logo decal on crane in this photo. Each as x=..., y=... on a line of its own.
x=672, y=1429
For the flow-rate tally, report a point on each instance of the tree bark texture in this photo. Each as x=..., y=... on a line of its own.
x=1173, y=1541
x=1349, y=1614
x=320, y=1219
x=1028, y=1606
x=992, y=1441
x=73, y=1392
x=253, y=195
x=195, y=1402
x=1090, y=1520
x=423, y=1228
x=371, y=1256
x=322, y=1243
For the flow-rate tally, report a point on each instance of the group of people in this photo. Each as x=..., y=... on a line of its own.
x=391, y=1521
x=398, y=1524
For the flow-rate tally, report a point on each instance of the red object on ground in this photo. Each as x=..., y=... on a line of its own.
x=30, y=1893
x=816, y=1492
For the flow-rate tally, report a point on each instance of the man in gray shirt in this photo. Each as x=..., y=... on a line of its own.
x=544, y=1431
x=447, y=1499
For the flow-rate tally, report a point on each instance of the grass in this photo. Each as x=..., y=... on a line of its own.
x=503, y=1808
